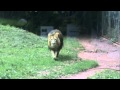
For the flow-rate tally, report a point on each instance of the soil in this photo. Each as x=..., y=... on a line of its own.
x=106, y=53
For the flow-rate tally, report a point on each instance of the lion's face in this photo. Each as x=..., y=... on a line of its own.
x=53, y=42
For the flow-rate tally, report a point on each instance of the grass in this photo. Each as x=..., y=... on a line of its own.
x=72, y=68
x=106, y=74
x=24, y=55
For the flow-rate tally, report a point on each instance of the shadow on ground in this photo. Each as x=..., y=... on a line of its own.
x=65, y=58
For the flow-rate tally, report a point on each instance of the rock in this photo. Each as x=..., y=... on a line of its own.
x=22, y=22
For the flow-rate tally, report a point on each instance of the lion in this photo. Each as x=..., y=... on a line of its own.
x=55, y=42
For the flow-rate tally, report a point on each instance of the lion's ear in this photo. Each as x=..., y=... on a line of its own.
x=57, y=35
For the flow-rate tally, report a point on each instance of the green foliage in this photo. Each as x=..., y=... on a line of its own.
x=11, y=22
x=26, y=55
x=113, y=40
x=58, y=19
x=112, y=35
x=110, y=25
x=106, y=74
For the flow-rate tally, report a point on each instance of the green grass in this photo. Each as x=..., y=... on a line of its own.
x=26, y=55
x=106, y=74
x=72, y=68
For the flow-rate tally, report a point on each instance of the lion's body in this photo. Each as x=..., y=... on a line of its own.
x=55, y=42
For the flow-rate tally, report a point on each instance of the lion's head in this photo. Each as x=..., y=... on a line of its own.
x=53, y=41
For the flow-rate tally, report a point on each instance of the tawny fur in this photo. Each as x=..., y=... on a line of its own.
x=55, y=42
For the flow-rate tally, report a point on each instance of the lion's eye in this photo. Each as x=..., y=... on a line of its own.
x=55, y=40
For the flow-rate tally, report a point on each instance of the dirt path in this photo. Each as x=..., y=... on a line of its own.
x=101, y=50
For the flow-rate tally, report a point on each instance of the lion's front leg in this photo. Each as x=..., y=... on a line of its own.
x=57, y=53
x=54, y=54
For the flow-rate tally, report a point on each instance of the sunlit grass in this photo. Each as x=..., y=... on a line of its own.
x=106, y=74
x=26, y=55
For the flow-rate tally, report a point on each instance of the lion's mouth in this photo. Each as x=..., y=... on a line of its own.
x=54, y=46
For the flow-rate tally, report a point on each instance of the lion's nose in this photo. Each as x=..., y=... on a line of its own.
x=53, y=42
